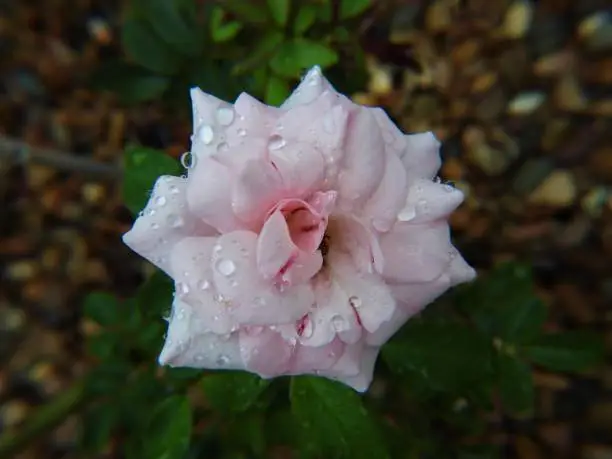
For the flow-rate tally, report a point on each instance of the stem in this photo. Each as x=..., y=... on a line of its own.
x=42, y=421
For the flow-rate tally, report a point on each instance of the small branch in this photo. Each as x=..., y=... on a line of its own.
x=42, y=421
x=22, y=153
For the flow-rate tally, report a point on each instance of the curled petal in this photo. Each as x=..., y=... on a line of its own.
x=265, y=352
x=428, y=201
x=275, y=249
x=459, y=271
x=301, y=166
x=308, y=359
x=421, y=157
x=164, y=221
x=311, y=87
x=353, y=237
x=395, y=140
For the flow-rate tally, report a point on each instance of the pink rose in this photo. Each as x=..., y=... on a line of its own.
x=302, y=238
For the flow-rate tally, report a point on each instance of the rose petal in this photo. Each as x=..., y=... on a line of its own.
x=459, y=271
x=311, y=87
x=428, y=201
x=367, y=294
x=274, y=246
x=363, y=162
x=390, y=196
x=209, y=195
x=308, y=359
x=300, y=165
x=413, y=297
x=253, y=300
x=265, y=352
x=422, y=156
x=361, y=382
x=350, y=235
x=187, y=346
x=415, y=253
x=164, y=221
x=387, y=329
x=395, y=140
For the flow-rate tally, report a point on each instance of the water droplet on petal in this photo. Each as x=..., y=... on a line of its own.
x=407, y=213
x=259, y=301
x=276, y=142
x=151, y=212
x=181, y=315
x=175, y=221
x=188, y=160
x=308, y=329
x=182, y=288
x=448, y=187
x=241, y=132
x=223, y=147
x=225, y=116
x=219, y=298
x=355, y=302
x=422, y=206
x=234, y=283
x=203, y=284
x=328, y=124
x=222, y=360
x=217, y=248
x=154, y=226
x=226, y=267
x=338, y=323
x=160, y=201
x=199, y=357
x=206, y=134
x=174, y=189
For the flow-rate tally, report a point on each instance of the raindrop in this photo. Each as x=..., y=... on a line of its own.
x=308, y=328
x=181, y=315
x=355, y=302
x=141, y=213
x=199, y=357
x=338, y=323
x=225, y=116
x=328, y=124
x=154, y=226
x=175, y=221
x=182, y=288
x=241, y=132
x=222, y=360
x=203, y=284
x=174, y=189
x=151, y=212
x=234, y=283
x=217, y=248
x=206, y=134
x=160, y=201
x=187, y=160
x=226, y=267
x=422, y=206
x=276, y=142
x=223, y=147
x=437, y=180
x=407, y=214
x=448, y=187
x=219, y=298
x=259, y=301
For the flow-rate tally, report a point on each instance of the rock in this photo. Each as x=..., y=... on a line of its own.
x=531, y=174
x=526, y=103
x=518, y=19
x=558, y=190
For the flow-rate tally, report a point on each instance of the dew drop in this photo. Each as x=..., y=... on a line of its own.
x=234, y=283
x=308, y=328
x=223, y=147
x=174, y=189
x=338, y=323
x=406, y=214
x=160, y=201
x=183, y=288
x=175, y=221
x=199, y=357
x=276, y=142
x=355, y=302
x=219, y=298
x=225, y=116
x=217, y=248
x=181, y=315
x=141, y=213
x=259, y=301
x=241, y=132
x=154, y=226
x=448, y=187
x=206, y=134
x=328, y=124
x=203, y=284
x=188, y=160
x=226, y=267
x=151, y=212
x=222, y=360
x=422, y=206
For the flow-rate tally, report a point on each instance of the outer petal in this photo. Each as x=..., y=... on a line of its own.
x=416, y=253
x=390, y=196
x=413, y=297
x=300, y=165
x=429, y=201
x=351, y=236
x=190, y=262
x=364, y=161
x=164, y=221
x=308, y=359
x=361, y=382
x=265, y=352
x=395, y=140
x=211, y=117
x=459, y=271
x=421, y=156
x=209, y=194
x=311, y=87
x=389, y=328
x=368, y=295
x=356, y=366
x=251, y=299
x=187, y=346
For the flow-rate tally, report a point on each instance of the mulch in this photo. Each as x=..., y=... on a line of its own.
x=518, y=92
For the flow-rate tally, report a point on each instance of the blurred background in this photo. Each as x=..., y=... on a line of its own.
x=518, y=91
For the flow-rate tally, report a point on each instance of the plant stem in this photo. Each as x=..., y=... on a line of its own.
x=42, y=421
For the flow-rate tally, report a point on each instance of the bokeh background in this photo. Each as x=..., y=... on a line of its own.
x=518, y=92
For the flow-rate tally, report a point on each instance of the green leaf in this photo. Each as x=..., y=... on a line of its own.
x=142, y=168
x=222, y=31
x=108, y=378
x=279, y=10
x=173, y=26
x=515, y=385
x=169, y=429
x=504, y=305
x=233, y=390
x=103, y=345
x=569, y=351
x=103, y=308
x=131, y=84
x=248, y=11
x=293, y=57
x=277, y=91
x=97, y=427
x=145, y=48
x=449, y=356
x=333, y=419
x=261, y=52
x=352, y=8
x=156, y=295
x=305, y=19
x=215, y=78
x=478, y=452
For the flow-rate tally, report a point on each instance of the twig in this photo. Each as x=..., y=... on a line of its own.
x=22, y=153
